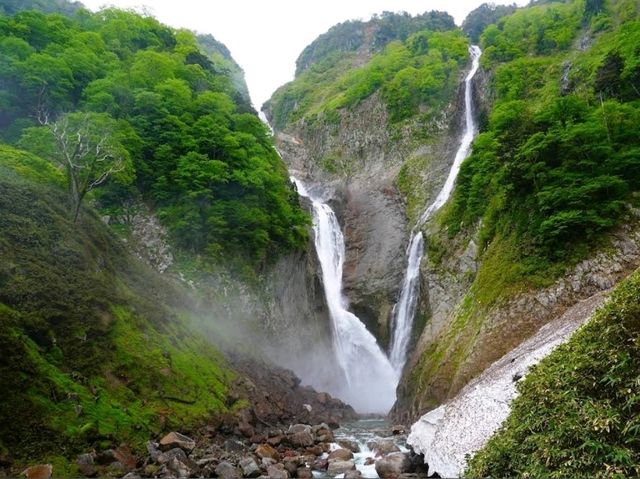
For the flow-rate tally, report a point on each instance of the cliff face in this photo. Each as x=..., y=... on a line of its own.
x=359, y=159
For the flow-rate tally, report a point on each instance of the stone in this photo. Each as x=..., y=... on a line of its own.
x=86, y=466
x=131, y=475
x=246, y=429
x=340, y=455
x=266, y=451
x=226, y=470
x=125, y=457
x=175, y=453
x=232, y=445
x=152, y=449
x=277, y=471
x=320, y=465
x=340, y=467
x=275, y=441
x=291, y=465
x=249, y=467
x=398, y=429
x=392, y=465
x=297, y=428
x=104, y=457
x=314, y=451
x=304, y=473
x=175, y=439
x=39, y=471
x=385, y=447
x=369, y=460
x=258, y=439
x=301, y=439
x=353, y=474
x=353, y=446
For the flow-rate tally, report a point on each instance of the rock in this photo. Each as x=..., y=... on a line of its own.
x=131, y=475
x=392, y=465
x=232, y=445
x=385, y=447
x=266, y=451
x=297, y=428
x=250, y=467
x=175, y=439
x=314, y=451
x=340, y=467
x=301, y=439
x=40, y=471
x=124, y=456
x=398, y=429
x=320, y=465
x=246, y=429
x=323, y=433
x=277, y=471
x=304, y=473
x=175, y=453
x=275, y=441
x=369, y=460
x=353, y=446
x=104, y=457
x=267, y=461
x=226, y=470
x=340, y=455
x=353, y=474
x=152, y=449
x=291, y=465
x=258, y=439
x=86, y=466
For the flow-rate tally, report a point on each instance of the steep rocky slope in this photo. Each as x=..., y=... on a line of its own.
x=370, y=157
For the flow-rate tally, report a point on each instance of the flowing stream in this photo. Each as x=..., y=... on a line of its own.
x=369, y=379
x=404, y=310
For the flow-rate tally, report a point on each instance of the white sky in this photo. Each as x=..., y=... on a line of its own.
x=266, y=36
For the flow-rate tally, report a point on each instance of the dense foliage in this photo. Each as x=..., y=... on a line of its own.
x=95, y=348
x=352, y=35
x=578, y=413
x=199, y=152
x=483, y=16
x=66, y=7
x=560, y=153
x=418, y=74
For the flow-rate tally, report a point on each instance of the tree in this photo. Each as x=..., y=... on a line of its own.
x=87, y=147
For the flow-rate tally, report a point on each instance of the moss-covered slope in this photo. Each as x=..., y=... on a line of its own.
x=96, y=348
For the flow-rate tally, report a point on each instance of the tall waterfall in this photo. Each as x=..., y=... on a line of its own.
x=369, y=379
x=404, y=310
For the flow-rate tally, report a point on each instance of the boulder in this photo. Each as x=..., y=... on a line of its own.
x=250, y=467
x=297, y=428
x=340, y=455
x=86, y=466
x=266, y=451
x=392, y=465
x=340, y=467
x=175, y=453
x=353, y=446
x=182, y=467
x=40, y=471
x=385, y=447
x=175, y=439
x=301, y=439
x=353, y=474
x=226, y=470
x=277, y=471
x=304, y=473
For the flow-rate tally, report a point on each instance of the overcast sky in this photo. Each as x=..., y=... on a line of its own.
x=266, y=36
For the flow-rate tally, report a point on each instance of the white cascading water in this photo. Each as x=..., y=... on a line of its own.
x=404, y=310
x=369, y=379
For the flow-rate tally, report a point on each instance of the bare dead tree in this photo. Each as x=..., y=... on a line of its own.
x=88, y=153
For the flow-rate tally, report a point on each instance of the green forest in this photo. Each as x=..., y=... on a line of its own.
x=170, y=116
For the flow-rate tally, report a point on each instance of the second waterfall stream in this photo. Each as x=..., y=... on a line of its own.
x=404, y=311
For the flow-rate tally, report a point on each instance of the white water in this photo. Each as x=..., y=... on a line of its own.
x=369, y=379
x=404, y=310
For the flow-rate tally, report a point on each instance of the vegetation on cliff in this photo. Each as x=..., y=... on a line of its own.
x=578, y=412
x=96, y=348
x=416, y=71
x=199, y=152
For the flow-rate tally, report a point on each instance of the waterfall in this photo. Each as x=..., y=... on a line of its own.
x=369, y=380
x=404, y=310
